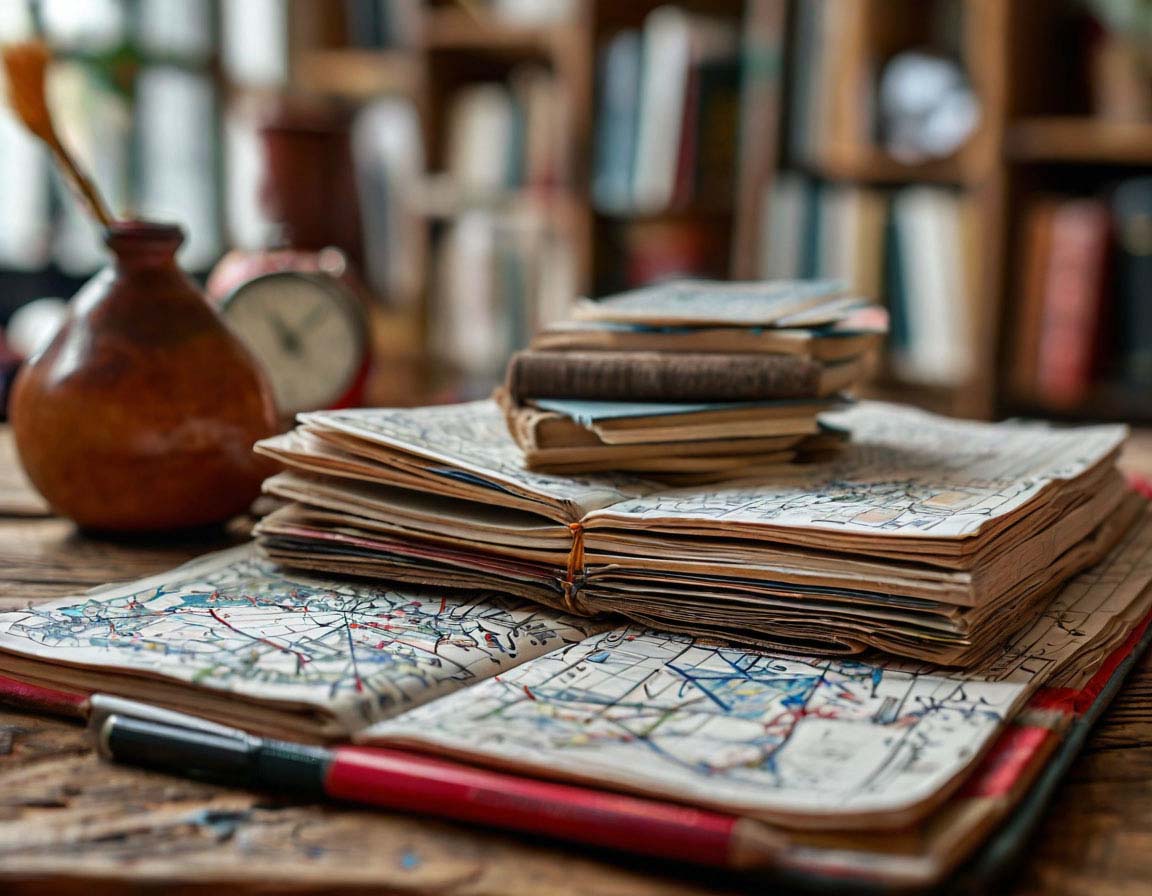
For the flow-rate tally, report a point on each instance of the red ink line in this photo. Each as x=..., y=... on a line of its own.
x=301, y=657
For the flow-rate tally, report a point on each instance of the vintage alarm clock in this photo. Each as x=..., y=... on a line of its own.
x=311, y=333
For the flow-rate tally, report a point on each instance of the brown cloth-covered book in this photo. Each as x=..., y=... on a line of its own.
x=664, y=376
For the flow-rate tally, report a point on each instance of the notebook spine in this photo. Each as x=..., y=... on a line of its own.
x=652, y=376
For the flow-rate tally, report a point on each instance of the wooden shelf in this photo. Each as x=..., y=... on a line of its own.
x=691, y=213
x=451, y=28
x=877, y=167
x=440, y=198
x=1080, y=139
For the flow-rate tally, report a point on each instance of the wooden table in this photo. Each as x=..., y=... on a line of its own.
x=70, y=823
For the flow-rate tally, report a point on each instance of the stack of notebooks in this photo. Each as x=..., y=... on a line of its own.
x=926, y=537
x=691, y=381
x=845, y=772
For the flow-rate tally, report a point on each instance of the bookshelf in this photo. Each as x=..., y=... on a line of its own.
x=458, y=47
x=1037, y=134
x=720, y=233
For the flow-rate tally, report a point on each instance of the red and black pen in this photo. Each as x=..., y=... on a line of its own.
x=411, y=782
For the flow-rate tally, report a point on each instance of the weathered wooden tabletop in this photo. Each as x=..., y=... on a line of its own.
x=70, y=823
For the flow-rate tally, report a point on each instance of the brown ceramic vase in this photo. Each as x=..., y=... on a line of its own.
x=141, y=414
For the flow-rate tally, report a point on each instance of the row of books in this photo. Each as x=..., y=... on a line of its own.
x=910, y=247
x=668, y=111
x=1083, y=315
x=507, y=136
x=499, y=276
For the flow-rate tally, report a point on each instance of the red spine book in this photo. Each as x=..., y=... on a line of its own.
x=1074, y=299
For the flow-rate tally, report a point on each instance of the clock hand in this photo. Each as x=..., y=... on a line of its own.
x=288, y=339
x=314, y=315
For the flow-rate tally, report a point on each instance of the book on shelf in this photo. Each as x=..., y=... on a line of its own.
x=388, y=157
x=676, y=46
x=911, y=246
x=498, y=277
x=1075, y=292
x=1082, y=322
x=615, y=149
x=382, y=24
x=930, y=295
x=669, y=108
x=1035, y=254
x=830, y=111
x=505, y=137
x=939, y=759
x=1132, y=210
x=254, y=51
x=815, y=229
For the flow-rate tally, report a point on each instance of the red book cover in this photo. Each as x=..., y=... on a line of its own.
x=1074, y=302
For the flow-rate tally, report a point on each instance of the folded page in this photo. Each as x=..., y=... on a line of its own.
x=472, y=439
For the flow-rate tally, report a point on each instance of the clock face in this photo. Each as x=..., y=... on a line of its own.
x=309, y=332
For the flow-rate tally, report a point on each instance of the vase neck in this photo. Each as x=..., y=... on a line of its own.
x=143, y=244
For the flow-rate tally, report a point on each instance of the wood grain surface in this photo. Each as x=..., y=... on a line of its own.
x=71, y=824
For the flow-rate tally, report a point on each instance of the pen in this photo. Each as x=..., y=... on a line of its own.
x=410, y=782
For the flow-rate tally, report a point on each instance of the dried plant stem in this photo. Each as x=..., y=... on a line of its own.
x=26, y=65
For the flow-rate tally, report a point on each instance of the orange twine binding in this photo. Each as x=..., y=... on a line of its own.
x=575, y=567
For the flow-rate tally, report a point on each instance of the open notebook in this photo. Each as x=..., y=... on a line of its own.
x=251, y=644
x=827, y=751
x=925, y=537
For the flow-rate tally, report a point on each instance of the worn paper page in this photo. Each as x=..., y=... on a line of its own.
x=806, y=740
x=904, y=473
x=755, y=733
x=472, y=439
x=232, y=622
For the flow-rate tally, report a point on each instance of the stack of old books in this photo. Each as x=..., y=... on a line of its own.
x=925, y=537
x=691, y=381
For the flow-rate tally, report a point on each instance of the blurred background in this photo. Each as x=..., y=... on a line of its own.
x=983, y=167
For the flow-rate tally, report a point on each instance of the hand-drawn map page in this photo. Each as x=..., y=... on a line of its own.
x=904, y=473
x=234, y=622
x=473, y=439
x=711, y=303
x=806, y=740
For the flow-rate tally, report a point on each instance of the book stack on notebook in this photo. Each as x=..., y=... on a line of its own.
x=849, y=772
x=925, y=537
x=691, y=381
